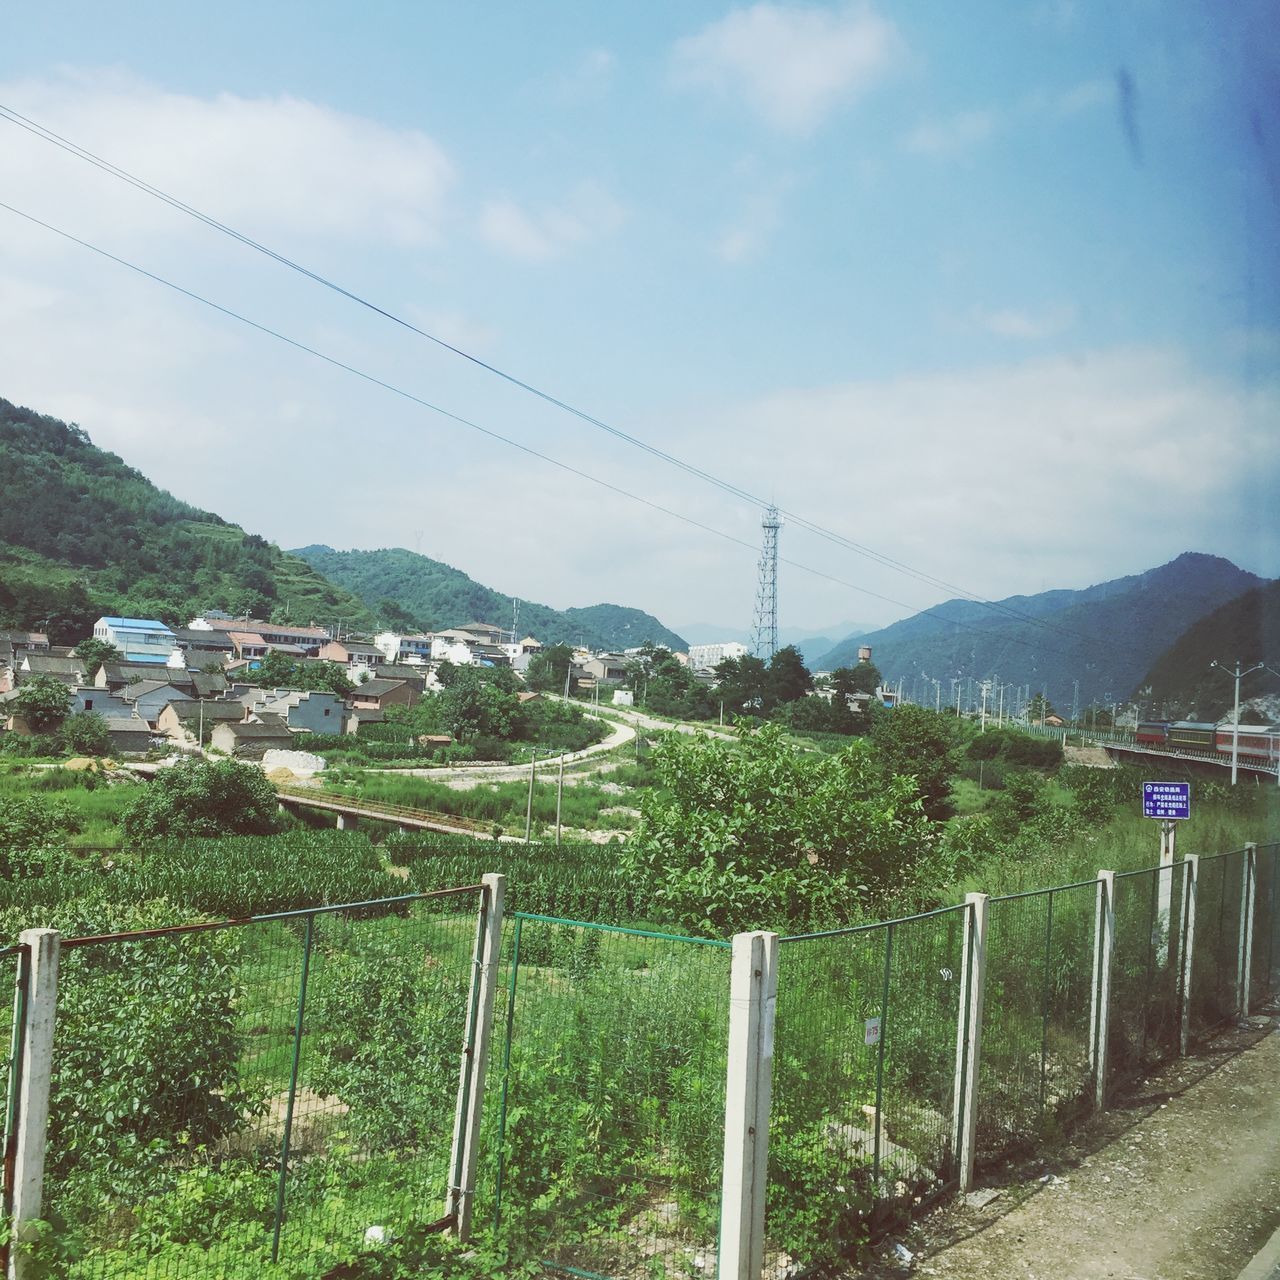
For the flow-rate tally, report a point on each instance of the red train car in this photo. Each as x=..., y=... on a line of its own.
x=1259, y=743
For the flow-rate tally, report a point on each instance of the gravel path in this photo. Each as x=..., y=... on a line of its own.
x=1182, y=1182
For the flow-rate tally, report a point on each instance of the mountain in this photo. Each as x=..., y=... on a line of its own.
x=407, y=589
x=1107, y=636
x=1247, y=629
x=82, y=534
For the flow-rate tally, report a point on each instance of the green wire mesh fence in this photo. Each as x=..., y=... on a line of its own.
x=610, y=1083
x=1264, y=971
x=281, y=1089
x=1146, y=967
x=864, y=1080
x=1036, y=1068
x=1219, y=894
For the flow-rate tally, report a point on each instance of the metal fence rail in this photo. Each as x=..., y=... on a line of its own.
x=259, y=1090
x=611, y=1094
x=1036, y=1064
x=864, y=1079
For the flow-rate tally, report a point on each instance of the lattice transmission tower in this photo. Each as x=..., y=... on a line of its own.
x=765, y=632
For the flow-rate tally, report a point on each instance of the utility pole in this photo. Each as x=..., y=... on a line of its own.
x=982, y=728
x=559, y=796
x=528, y=809
x=1235, y=719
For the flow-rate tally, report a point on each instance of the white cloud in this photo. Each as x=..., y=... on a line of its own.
x=588, y=78
x=749, y=234
x=954, y=134
x=1085, y=96
x=266, y=165
x=793, y=65
x=1024, y=325
x=588, y=213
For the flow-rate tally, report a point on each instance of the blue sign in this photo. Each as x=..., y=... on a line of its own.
x=1166, y=799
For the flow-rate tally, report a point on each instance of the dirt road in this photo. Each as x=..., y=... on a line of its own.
x=1182, y=1182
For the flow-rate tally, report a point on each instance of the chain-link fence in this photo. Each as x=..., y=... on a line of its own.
x=1036, y=1063
x=284, y=1088
x=864, y=1080
x=610, y=1081
x=1216, y=947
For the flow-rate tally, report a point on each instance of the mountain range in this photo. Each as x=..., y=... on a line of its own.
x=1107, y=637
x=405, y=588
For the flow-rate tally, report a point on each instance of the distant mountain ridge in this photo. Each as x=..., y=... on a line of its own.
x=83, y=534
x=408, y=589
x=1183, y=683
x=1105, y=636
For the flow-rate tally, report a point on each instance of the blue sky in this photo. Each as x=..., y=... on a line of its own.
x=990, y=289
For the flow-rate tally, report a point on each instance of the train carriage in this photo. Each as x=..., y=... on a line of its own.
x=1258, y=743
x=1152, y=733
x=1193, y=735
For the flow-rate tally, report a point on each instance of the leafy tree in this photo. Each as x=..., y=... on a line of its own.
x=85, y=734
x=666, y=686
x=921, y=744
x=789, y=678
x=743, y=684
x=755, y=835
x=94, y=653
x=475, y=707
x=204, y=799
x=43, y=703
x=1039, y=708
x=548, y=668
x=864, y=678
x=278, y=671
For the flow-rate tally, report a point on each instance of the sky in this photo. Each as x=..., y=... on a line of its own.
x=990, y=291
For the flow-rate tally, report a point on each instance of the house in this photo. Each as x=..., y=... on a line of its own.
x=706, y=657
x=407, y=648
x=250, y=741
x=312, y=710
x=482, y=632
x=70, y=671
x=114, y=676
x=130, y=735
x=247, y=645
x=200, y=648
x=101, y=702
x=308, y=639
x=150, y=697
x=378, y=695
x=190, y=723
x=138, y=639
x=606, y=668
x=351, y=653
x=421, y=677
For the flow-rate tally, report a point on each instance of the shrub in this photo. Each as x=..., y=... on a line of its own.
x=200, y=799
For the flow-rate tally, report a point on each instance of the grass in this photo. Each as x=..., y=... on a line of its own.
x=96, y=806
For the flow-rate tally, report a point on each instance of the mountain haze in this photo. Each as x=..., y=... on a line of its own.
x=83, y=534
x=408, y=589
x=1106, y=636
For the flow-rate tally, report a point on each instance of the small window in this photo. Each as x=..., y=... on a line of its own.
x=88, y=704
x=326, y=710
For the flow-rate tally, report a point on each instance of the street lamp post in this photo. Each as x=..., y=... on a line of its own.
x=1235, y=718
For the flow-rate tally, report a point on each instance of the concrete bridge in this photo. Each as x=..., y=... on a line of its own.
x=347, y=812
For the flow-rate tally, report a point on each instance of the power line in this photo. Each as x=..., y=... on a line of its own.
x=475, y=426
x=48, y=135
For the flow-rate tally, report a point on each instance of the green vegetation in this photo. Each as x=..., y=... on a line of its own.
x=204, y=799
x=82, y=534
x=276, y=671
x=408, y=590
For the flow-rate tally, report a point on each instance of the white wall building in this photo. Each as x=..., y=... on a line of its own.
x=138, y=639
x=705, y=657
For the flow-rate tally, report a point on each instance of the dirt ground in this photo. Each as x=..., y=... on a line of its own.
x=1180, y=1181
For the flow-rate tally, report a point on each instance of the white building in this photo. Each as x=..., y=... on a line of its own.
x=138, y=639
x=412, y=649
x=706, y=657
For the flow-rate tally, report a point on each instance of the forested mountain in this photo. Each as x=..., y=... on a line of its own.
x=1183, y=684
x=1107, y=636
x=407, y=589
x=83, y=534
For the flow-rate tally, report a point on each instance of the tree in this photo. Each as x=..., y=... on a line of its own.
x=756, y=835
x=276, y=671
x=789, y=678
x=743, y=684
x=95, y=653
x=43, y=703
x=864, y=678
x=474, y=707
x=204, y=799
x=921, y=744
x=1039, y=708
x=548, y=668
x=85, y=734
x=666, y=686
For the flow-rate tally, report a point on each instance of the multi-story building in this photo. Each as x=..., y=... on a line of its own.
x=706, y=657
x=138, y=639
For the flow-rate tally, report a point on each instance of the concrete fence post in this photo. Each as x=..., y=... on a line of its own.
x=39, y=975
x=753, y=994
x=973, y=985
x=1187, y=945
x=1248, y=894
x=1104, y=946
x=475, y=1055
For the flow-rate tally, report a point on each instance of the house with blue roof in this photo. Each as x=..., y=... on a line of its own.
x=141, y=640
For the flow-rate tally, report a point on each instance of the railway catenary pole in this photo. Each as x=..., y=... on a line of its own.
x=1235, y=718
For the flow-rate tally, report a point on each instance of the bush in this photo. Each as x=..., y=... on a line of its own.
x=85, y=734
x=199, y=799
